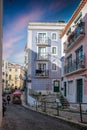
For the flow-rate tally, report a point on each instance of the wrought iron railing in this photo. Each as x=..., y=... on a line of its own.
x=77, y=34
x=75, y=65
x=42, y=57
x=42, y=40
x=42, y=73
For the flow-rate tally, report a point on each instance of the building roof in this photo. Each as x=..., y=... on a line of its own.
x=46, y=25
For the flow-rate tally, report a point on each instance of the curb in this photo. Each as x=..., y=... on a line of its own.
x=78, y=125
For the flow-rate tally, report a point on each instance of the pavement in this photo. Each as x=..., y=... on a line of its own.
x=18, y=117
x=63, y=118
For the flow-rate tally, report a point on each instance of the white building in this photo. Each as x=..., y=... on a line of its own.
x=44, y=53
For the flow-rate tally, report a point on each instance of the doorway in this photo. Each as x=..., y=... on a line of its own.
x=79, y=90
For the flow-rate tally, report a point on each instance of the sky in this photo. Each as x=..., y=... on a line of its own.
x=18, y=13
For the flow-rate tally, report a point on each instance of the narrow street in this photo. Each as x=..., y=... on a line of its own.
x=20, y=118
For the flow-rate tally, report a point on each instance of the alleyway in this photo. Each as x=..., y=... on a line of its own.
x=20, y=118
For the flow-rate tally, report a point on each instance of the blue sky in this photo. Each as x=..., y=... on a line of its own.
x=18, y=13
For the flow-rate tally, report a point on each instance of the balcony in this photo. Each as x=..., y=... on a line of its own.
x=42, y=73
x=42, y=57
x=77, y=35
x=75, y=66
x=42, y=41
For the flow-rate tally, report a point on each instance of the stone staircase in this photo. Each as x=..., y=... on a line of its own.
x=64, y=102
x=52, y=98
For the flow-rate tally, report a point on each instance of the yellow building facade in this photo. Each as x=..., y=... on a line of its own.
x=15, y=76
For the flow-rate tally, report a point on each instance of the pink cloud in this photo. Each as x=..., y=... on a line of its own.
x=13, y=33
x=9, y=43
x=22, y=21
x=58, y=5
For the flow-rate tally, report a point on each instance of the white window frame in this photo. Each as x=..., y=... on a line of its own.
x=56, y=36
x=42, y=63
x=56, y=66
x=41, y=47
x=41, y=32
x=56, y=50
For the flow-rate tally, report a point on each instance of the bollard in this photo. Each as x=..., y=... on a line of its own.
x=57, y=109
x=44, y=106
x=80, y=112
x=36, y=106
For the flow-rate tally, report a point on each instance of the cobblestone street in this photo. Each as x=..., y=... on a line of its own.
x=20, y=118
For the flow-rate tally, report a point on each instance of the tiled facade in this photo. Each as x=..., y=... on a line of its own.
x=0, y=62
x=74, y=41
x=44, y=53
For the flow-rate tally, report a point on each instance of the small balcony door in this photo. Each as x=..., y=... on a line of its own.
x=42, y=66
x=42, y=52
x=42, y=37
x=79, y=56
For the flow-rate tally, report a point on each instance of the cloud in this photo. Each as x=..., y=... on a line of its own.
x=8, y=44
x=21, y=21
x=58, y=5
x=16, y=33
x=18, y=58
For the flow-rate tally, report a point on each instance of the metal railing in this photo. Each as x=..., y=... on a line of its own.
x=75, y=65
x=42, y=40
x=42, y=57
x=75, y=111
x=75, y=36
x=42, y=73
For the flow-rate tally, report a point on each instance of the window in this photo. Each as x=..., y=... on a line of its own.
x=79, y=52
x=42, y=52
x=70, y=87
x=16, y=69
x=80, y=59
x=54, y=50
x=41, y=37
x=10, y=69
x=16, y=77
x=9, y=77
x=42, y=66
x=56, y=85
x=15, y=82
x=54, y=36
x=69, y=59
x=69, y=63
x=53, y=66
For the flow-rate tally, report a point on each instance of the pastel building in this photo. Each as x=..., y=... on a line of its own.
x=12, y=75
x=43, y=53
x=74, y=46
x=15, y=75
x=4, y=74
